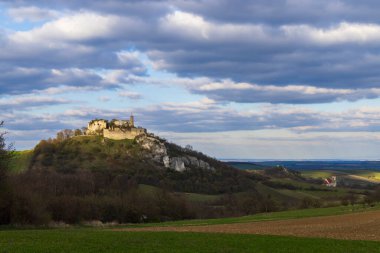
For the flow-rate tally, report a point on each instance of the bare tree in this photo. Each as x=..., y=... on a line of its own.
x=65, y=134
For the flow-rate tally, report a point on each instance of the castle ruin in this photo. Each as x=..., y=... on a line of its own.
x=115, y=129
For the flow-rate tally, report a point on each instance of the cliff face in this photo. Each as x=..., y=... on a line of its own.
x=159, y=152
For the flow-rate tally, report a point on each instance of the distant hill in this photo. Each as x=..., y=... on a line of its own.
x=248, y=165
x=323, y=165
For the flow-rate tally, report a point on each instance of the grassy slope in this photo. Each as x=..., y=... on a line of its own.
x=20, y=161
x=149, y=189
x=97, y=240
x=284, y=215
x=319, y=192
x=320, y=173
x=362, y=174
x=368, y=174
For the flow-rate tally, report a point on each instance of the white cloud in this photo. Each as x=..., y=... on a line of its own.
x=245, y=92
x=227, y=90
x=196, y=27
x=30, y=100
x=130, y=94
x=82, y=26
x=281, y=144
x=104, y=98
x=32, y=13
x=342, y=33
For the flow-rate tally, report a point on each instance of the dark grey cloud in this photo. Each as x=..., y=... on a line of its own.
x=277, y=12
x=331, y=44
x=278, y=60
x=206, y=116
x=79, y=40
x=26, y=80
x=293, y=94
x=238, y=11
x=146, y=8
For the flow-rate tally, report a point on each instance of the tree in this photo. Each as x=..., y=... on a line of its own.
x=77, y=132
x=5, y=157
x=6, y=154
x=65, y=134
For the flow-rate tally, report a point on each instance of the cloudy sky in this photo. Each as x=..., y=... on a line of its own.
x=260, y=79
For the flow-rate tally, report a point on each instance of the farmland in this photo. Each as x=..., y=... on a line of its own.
x=356, y=226
x=99, y=240
x=206, y=235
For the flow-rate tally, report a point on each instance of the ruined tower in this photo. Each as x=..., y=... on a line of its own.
x=131, y=121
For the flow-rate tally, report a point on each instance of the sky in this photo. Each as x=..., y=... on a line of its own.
x=243, y=79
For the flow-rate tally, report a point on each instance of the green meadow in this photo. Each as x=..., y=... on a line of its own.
x=106, y=239
x=100, y=240
x=284, y=215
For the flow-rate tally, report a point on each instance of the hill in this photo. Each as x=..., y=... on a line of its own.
x=82, y=178
x=142, y=160
x=147, y=179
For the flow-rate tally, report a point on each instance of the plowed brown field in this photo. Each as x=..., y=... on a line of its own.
x=358, y=226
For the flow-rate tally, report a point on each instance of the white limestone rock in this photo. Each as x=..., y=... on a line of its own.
x=176, y=163
x=166, y=161
x=154, y=145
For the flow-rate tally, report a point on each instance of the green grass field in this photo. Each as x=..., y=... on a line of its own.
x=99, y=240
x=365, y=174
x=373, y=175
x=320, y=173
x=284, y=215
x=86, y=239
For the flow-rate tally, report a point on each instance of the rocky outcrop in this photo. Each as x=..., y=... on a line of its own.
x=204, y=165
x=155, y=147
x=177, y=163
x=158, y=151
x=166, y=161
x=186, y=162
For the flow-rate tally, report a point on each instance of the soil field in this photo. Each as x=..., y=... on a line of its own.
x=357, y=226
